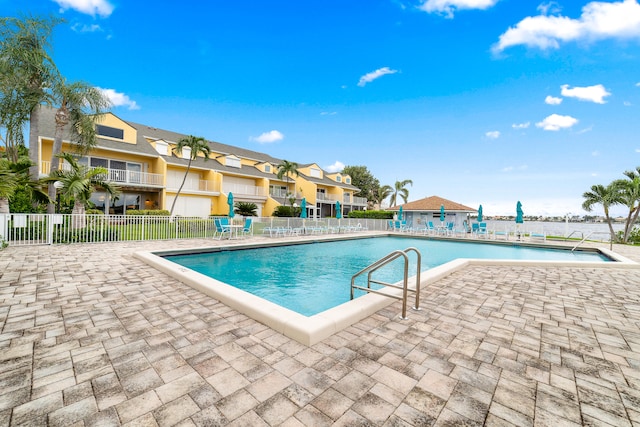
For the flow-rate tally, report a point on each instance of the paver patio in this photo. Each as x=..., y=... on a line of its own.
x=90, y=336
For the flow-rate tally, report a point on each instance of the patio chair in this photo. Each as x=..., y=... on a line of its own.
x=247, y=229
x=221, y=229
x=482, y=230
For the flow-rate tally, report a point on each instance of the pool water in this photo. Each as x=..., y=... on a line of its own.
x=313, y=277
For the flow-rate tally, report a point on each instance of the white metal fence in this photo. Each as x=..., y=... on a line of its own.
x=43, y=229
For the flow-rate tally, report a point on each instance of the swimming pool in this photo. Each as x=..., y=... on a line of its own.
x=309, y=330
x=313, y=277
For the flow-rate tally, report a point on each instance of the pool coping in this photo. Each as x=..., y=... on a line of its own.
x=309, y=330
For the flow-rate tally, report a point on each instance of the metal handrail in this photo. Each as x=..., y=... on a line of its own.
x=582, y=241
x=572, y=233
x=405, y=287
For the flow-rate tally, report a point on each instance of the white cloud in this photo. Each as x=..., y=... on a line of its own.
x=521, y=125
x=88, y=7
x=594, y=93
x=328, y=113
x=493, y=134
x=599, y=20
x=595, y=153
x=336, y=167
x=369, y=77
x=268, y=137
x=556, y=122
x=552, y=100
x=119, y=99
x=447, y=7
x=84, y=28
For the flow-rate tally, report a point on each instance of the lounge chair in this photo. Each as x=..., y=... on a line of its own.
x=462, y=232
x=538, y=235
x=501, y=234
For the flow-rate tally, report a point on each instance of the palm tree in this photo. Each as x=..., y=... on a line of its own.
x=78, y=183
x=285, y=169
x=605, y=196
x=8, y=185
x=629, y=191
x=197, y=145
x=80, y=106
x=400, y=189
x=382, y=193
x=29, y=71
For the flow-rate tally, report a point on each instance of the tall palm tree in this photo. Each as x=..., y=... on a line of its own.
x=80, y=106
x=29, y=70
x=400, y=188
x=198, y=145
x=286, y=169
x=629, y=191
x=78, y=183
x=8, y=185
x=382, y=193
x=605, y=196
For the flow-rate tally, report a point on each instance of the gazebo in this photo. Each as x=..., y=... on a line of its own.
x=419, y=212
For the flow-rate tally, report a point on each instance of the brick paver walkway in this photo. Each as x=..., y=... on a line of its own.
x=90, y=336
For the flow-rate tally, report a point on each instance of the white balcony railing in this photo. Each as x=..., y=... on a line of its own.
x=192, y=184
x=324, y=197
x=118, y=175
x=244, y=190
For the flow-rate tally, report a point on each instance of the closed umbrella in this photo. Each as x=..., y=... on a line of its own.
x=519, y=213
x=442, y=213
x=338, y=210
x=400, y=214
x=303, y=208
x=230, y=203
x=480, y=214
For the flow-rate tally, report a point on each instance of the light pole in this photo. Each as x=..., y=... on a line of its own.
x=58, y=185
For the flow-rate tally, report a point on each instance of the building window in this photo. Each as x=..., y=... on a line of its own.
x=347, y=180
x=267, y=168
x=186, y=153
x=110, y=132
x=338, y=178
x=315, y=173
x=232, y=162
x=162, y=147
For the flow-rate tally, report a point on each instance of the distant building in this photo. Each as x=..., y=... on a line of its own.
x=418, y=212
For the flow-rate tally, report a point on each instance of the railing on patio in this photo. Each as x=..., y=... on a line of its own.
x=118, y=175
x=247, y=190
x=193, y=185
x=43, y=229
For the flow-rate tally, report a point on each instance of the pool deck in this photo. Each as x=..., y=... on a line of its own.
x=92, y=336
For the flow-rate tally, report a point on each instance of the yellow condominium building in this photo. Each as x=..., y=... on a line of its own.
x=143, y=161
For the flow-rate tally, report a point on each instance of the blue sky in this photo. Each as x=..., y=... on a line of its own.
x=478, y=101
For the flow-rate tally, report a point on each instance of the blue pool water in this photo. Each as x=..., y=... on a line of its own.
x=313, y=277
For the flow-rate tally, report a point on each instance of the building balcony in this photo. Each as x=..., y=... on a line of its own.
x=119, y=176
x=355, y=201
x=244, y=190
x=194, y=185
x=326, y=198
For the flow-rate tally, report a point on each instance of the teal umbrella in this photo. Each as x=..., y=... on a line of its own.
x=480, y=214
x=230, y=203
x=442, y=213
x=519, y=213
x=303, y=208
x=338, y=210
x=400, y=214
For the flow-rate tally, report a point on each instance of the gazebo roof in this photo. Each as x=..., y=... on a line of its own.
x=432, y=204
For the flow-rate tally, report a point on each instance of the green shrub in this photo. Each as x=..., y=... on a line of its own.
x=94, y=212
x=371, y=214
x=286, y=211
x=150, y=212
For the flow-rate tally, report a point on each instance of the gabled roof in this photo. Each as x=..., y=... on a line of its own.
x=432, y=204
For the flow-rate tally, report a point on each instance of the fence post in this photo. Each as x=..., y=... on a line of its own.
x=49, y=229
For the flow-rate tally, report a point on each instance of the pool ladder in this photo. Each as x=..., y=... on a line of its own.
x=405, y=284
